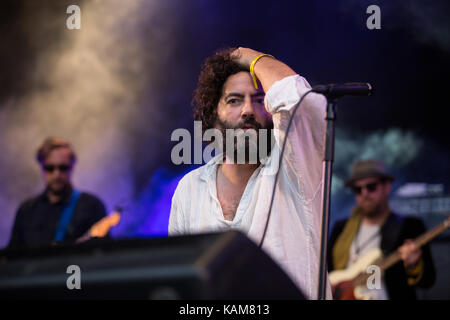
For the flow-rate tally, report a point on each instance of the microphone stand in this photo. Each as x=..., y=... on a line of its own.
x=326, y=193
x=332, y=92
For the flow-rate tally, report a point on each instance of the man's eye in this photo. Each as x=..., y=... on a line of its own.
x=233, y=101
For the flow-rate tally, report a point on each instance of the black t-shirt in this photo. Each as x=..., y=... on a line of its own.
x=37, y=219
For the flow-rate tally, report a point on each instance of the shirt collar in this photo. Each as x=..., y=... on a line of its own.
x=209, y=168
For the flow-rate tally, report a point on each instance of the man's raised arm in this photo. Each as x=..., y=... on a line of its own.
x=268, y=70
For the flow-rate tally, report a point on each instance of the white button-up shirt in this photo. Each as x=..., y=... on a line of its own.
x=293, y=233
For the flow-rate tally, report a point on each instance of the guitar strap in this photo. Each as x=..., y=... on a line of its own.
x=66, y=216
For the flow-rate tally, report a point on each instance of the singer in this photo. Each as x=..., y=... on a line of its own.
x=245, y=89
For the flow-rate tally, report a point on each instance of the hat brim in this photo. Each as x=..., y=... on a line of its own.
x=350, y=181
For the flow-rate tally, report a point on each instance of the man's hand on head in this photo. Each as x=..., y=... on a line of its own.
x=268, y=70
x=244, y=56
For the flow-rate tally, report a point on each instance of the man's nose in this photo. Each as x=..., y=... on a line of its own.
x=57, y=172
x=248, y=109
x=364, y=192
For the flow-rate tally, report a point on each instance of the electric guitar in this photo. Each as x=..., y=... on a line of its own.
x=102, y=227
x=349, y=284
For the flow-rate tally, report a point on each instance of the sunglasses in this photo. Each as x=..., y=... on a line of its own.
x=61, y=168
x=370, y=187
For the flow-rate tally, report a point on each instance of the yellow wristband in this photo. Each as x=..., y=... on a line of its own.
x=252, y=67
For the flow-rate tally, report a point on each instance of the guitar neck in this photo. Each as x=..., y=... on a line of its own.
x=395, y=257
x=420, y=241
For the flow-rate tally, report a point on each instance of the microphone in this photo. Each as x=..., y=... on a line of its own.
x=332, y=91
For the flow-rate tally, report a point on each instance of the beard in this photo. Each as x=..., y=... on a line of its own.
x=58, y=187
x=250, y=146
x=371, y=209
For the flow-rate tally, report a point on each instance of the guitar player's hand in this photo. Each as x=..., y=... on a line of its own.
x=410, y=254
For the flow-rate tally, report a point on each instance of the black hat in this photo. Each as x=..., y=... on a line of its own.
x=367, y=169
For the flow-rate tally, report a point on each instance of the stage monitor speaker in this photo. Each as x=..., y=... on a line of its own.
x=205, y=266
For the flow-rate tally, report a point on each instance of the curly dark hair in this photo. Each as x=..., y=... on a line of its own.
x=214, y=73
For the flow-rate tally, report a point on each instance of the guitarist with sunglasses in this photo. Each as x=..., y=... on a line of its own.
x=61, y=214
x=372, y=225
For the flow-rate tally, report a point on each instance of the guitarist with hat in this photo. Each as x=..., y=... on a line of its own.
x=373, y=225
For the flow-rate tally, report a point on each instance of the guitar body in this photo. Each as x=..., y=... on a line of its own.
x=341, y=280
x=355, y=269
x=344, y=291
